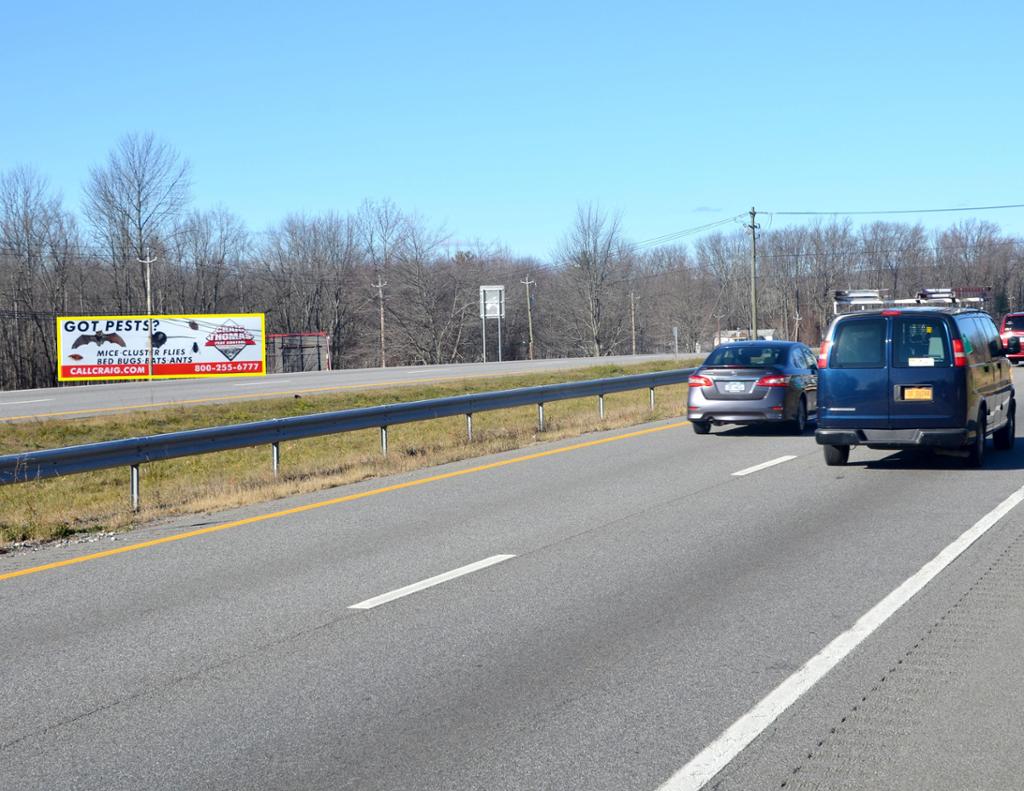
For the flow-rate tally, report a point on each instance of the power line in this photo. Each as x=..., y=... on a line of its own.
x=898, y=211
x=902, y=250
x=670, y=237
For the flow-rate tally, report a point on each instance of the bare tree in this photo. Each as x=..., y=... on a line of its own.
x=208, y=248
x=311, y=278
x=28, y=214
x=595, y=262
x=131, y=202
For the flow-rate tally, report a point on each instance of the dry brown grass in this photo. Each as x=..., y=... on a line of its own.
x=46, y=510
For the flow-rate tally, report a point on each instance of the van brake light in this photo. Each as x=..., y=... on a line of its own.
x=959, y=358
x=823, y=354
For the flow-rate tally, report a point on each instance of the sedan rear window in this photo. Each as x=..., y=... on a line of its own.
x=858, y=343
x=748, y=356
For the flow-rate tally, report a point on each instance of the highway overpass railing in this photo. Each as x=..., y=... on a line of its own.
x=135, y=451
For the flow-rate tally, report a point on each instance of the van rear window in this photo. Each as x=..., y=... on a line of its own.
x=920, y=343
x=859, y=343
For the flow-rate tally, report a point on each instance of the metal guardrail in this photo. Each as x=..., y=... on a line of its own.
x=41, y=464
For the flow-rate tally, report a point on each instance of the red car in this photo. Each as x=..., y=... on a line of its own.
x=1013, y=326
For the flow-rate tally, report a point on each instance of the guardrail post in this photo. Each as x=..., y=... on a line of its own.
x=275, y=457
x=540, y=417
x=600, y=406
x=135, y=487
x=652, y=399
x=469, y=427
x=384, y=440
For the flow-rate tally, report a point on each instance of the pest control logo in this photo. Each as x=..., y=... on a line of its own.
x=230, y=339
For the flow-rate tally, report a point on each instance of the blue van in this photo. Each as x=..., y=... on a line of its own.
x=917, y=377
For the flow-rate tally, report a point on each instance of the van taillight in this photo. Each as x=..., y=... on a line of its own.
x=959, y=358
x=823, y=354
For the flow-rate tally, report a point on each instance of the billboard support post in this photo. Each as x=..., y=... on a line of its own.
x=149, y=316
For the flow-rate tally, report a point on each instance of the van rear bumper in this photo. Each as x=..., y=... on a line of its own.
x=894, y=439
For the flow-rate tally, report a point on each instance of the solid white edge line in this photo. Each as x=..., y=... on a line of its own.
x=717, y=755
x=384, y=598
x=765, y=465
x=33, y=401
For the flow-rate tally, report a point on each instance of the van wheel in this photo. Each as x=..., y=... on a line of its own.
x=1004, y=438
x=836, y=455
x=799, y=423
x=701, y=426
x=976, y=453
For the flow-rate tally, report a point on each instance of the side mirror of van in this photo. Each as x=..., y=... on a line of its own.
x=1012, y=345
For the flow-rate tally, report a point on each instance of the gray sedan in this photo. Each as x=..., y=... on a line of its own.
x=755, y=382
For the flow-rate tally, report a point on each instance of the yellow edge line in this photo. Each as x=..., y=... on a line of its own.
x=335, y=501
x=218, y=399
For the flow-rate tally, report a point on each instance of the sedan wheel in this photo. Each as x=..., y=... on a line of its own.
x=799, y=423
x=701, y=426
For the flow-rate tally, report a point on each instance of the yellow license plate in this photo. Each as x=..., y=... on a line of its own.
x=917, y=394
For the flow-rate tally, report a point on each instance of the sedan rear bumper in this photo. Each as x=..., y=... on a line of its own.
x=735, y=415
x=768, y=408
x=894, y=439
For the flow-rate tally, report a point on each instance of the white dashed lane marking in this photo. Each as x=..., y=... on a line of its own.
x=384, y=598
x=763, y=466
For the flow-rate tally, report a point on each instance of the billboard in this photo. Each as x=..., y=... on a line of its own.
x=160, y=347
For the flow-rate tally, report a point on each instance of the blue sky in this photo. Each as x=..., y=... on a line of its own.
x=497, y=120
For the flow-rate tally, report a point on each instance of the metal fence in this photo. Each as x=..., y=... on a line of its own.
x=294, y=352
x=41, y=464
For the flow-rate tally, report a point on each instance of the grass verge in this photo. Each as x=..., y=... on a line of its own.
x=98, y=501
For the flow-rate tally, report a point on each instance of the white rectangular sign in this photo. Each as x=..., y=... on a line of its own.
x=492, y=302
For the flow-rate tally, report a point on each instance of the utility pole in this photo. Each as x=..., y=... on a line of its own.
x=529, y=312
x=796, y=318
x=17, y=334
x=753, y=272
x=632, y=318
x=379, y=285
x=149, y=314
x=718, y=328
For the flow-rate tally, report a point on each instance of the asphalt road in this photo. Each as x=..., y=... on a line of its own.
x=638, y=599
x=125, y=396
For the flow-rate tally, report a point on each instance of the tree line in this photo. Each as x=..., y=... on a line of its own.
x=598, y=293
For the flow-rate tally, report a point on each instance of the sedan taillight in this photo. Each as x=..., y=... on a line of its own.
x=700, y=381
x=772, y=380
